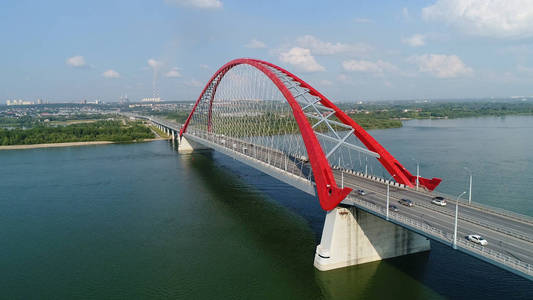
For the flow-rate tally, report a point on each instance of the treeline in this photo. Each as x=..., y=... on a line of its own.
x=382, y=115
x=442, y=109
x=114, y=131
x=371, y=121
x=30, y=121
x=180, y=117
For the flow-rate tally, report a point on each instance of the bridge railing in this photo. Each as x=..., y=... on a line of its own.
x=482, y=207
x=473, y=220
x=477, y=221
x=271, y=156
x=445, y=237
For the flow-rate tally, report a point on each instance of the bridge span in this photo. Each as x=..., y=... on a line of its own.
x=309, y=143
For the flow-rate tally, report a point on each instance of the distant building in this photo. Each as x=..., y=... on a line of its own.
x=39, y=101
x=124, y=99
x=19, y=102
x=152, y=99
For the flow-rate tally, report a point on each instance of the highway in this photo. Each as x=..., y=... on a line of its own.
x=442, y=218
x=509, y=236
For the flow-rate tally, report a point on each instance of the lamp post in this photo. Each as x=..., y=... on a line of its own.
x=388, y=195
x=456, y=214
x=417, y=171
x=470, y=189
x=366, y=165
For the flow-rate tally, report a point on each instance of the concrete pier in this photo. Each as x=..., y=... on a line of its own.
x=188, y=146
x=352, y=236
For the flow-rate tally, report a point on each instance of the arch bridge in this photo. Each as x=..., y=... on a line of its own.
x=270, y=119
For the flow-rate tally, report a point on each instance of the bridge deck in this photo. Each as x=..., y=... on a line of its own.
x=510, y=238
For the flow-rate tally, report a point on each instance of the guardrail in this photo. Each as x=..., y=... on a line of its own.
x=490, y=209
x=482, y=207
x=446, y=237
x=260, y=156
x=492, y=226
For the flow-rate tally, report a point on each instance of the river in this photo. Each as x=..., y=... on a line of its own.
x=139, y=221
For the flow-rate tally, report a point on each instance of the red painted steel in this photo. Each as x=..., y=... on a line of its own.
x=329, y=194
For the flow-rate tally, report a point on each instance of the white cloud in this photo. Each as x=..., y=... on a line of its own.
x=524, y=69
x=320, y=47
x=363, y=20
x=154, y=64
x=405, y=13
x=302, y=59
x=343, y=78
x=378, y=67
x=111, y=74
x=495, y=18
x=193, y=83
x=173, y=73
x=76, y=61
x=441, y=66
x=255, y=44
x=197, y=3
x=416, y=40
x=326, y=82
x=204, y=66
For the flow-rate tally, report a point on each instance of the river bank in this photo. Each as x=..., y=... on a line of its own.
x=70, y=144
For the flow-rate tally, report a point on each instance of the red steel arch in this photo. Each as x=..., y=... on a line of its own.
x=329, y=194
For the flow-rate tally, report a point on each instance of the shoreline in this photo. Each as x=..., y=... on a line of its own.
x=69, y=144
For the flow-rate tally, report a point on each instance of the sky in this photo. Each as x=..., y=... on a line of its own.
x=349, y=50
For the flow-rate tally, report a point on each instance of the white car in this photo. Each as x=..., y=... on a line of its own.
x=439, y=201
x=477, y=239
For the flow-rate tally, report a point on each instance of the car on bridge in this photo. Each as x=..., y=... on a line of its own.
x=361, y=192
x=439, y=201
x=475, y=238
x=405, y=202
x=393, y=208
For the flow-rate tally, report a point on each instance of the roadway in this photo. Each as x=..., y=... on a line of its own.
x=442, y=217
x=506, y=234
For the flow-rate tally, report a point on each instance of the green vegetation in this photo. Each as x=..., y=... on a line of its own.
x=180, y=117
x=33, y=121
x=375, y=121
x=382, y=115
x=159, y=132
x=389, y=115
x=116, y=131
x=410, y=110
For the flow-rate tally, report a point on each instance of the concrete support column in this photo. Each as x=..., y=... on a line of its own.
x=188, y=146
x=352, y=236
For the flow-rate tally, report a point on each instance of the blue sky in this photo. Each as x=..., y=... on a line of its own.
x=349, y=50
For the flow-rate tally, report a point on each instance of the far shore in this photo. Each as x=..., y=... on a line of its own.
x=69, y=144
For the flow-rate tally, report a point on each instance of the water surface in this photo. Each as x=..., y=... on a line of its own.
x=137, y=221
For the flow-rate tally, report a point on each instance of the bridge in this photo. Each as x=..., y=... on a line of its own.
x=271, y=120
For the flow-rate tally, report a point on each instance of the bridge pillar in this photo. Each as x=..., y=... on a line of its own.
x=352, y=236
x=188, y=146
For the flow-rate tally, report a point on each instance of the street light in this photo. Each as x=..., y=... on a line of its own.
x=366, y=165
x=388, y=195
x=470, y=190
x=456, y=214
x=417, y=171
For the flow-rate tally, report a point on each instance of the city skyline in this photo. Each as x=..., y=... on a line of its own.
x=365, y=51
